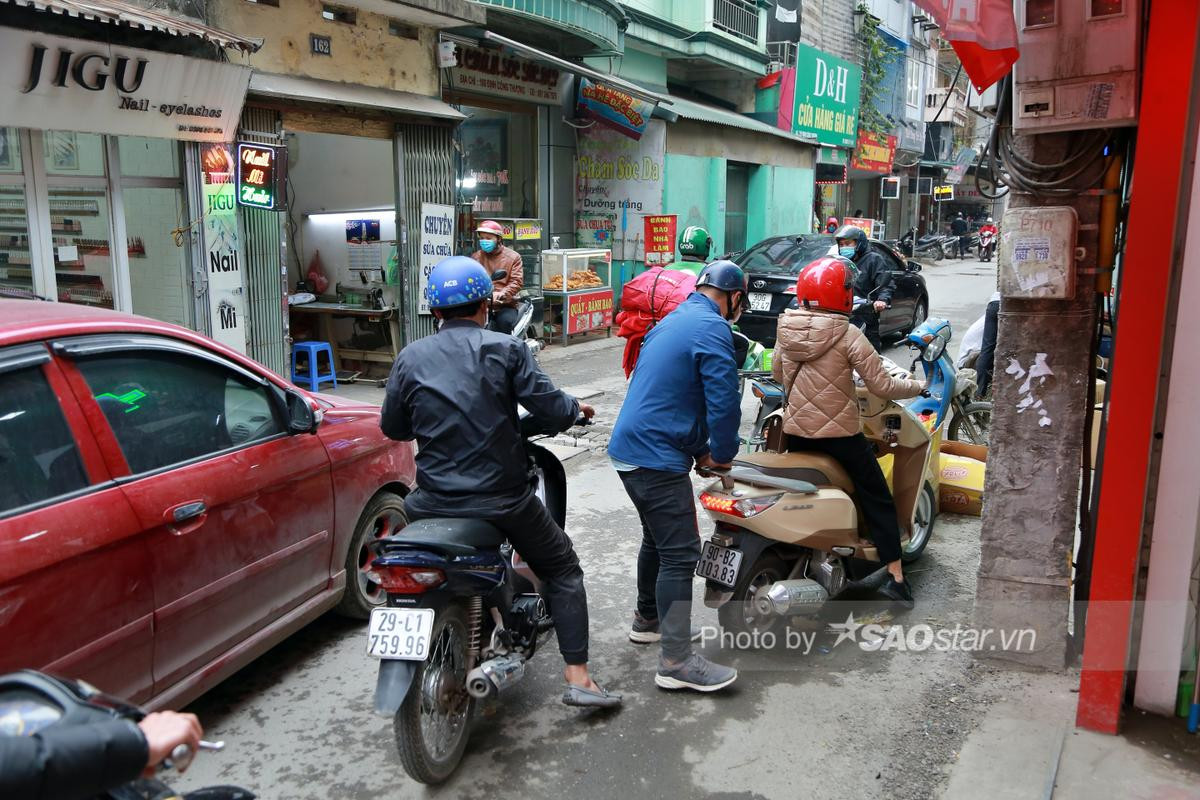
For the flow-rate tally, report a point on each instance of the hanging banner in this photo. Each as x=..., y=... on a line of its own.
x=222, y=248
x=437, y=242
x=983, y=34
x=660, y=238
x=54, y=82
x=622, y=112
x=875, y=153
x=617, y=180
x=962, y=162
x=825, y=97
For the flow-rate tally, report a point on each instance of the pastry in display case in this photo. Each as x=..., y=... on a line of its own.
x=577, y=285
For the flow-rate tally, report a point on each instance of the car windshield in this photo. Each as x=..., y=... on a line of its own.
x=784, y=256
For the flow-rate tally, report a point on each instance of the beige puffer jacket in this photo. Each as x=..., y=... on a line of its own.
x=815, y=352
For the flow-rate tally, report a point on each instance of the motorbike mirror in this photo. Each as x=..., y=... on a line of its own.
x=912, y=266
x=499, y=275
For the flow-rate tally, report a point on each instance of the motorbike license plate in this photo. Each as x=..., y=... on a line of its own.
x=760, y=301
x=400, y=633
x=719, y=564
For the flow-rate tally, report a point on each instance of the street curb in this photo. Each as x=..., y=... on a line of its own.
x=554, y=352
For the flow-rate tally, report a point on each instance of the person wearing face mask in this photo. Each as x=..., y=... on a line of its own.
x=494, y=255
x=682, y=409
x=874, y=281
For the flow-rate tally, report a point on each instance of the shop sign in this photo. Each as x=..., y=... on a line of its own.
x=617, y=180
x=943, y=194
x=526, y=230
x=660, y=238
x=500, y=75
x=964, y=159
x=589, y=311
x=829, y=174
x=57, y=83
x=868, y=225
x=260, y=176
x=437, y=242
x=875, y=153
x=622, y=112
x=826, y=97
x=222, y=247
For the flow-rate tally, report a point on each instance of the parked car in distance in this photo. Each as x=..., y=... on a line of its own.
x=773, y=265
x=170, y=509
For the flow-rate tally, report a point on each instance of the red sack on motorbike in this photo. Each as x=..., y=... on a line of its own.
x=644, y=301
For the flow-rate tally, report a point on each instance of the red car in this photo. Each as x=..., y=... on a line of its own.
x=170, y=509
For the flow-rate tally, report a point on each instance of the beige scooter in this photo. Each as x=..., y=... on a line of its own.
x=788, y=534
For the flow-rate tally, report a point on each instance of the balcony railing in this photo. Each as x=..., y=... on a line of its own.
x=737, y=18
x=782, y=54
x=956, y=106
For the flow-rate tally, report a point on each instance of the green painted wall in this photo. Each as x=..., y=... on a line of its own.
x=785, y=196
x=694, y=189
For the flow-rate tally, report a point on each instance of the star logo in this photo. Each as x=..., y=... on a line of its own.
x=846, y=630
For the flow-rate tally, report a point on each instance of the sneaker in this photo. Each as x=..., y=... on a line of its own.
x=898, y=591
x=648, y=631
x=696, y=673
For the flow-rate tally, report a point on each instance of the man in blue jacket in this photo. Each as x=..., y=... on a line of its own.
x=682, y=409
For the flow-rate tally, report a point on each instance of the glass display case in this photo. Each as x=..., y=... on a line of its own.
x=577, y=285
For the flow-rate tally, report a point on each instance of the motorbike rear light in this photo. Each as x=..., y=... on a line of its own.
x=407, y=579
x=745, y=508
x=757, y=391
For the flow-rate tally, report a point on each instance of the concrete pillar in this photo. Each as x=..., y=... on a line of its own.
x=1033, y=477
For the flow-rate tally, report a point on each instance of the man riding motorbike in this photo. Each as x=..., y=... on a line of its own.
x=816, y=354
x=456, y=394
x=695, y=246
x=874, y=280
x=494, y=255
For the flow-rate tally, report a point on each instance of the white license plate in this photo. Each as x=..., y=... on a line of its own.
x=400, y=633
x=760, y=301
x=719, y=564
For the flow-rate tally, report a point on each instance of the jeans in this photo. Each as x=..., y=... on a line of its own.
x=548, y=551
x=874, y=499
x=670, y=550
x=987, y=353
x=503, y=318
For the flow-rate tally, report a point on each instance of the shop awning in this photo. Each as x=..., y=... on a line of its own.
x=115, y=12
x=700, y=112
x=344, y=94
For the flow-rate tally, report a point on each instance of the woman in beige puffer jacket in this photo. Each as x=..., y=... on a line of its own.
x=817, y=352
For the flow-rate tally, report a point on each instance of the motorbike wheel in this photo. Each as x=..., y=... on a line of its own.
x=738, y=615
x=433, y=723
x=922, y=528
x=972, y=423
x=383, y=516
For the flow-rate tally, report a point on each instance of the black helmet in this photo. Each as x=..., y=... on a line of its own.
x=855, y=234
x=724, y=275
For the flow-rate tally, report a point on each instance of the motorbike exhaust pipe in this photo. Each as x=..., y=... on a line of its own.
x=782, y=598
x=495, y=675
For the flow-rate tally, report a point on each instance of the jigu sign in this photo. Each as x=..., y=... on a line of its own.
x=53, y=82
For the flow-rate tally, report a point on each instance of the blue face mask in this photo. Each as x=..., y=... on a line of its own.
x=487, y=245
x=848, y=252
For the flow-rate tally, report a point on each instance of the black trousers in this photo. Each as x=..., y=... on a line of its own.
x=502, y=319
x=670, y=549
x=964, y=246
x=869, y=318
x=548, y=551
x=987, y=351
x=857, y=457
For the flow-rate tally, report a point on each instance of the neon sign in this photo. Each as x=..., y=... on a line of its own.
x=260, y=170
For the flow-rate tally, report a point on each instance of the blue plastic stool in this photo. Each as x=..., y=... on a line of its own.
x=313, y=376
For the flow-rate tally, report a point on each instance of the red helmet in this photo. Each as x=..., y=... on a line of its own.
x=834, y=220
x=827, y=284
x=490, y=226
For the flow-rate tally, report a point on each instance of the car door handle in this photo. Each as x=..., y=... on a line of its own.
x=186, y=517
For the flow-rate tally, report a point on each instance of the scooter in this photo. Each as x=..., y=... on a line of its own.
x=524, y=320
x=928, y=246
x=987, y=245
x=788, y=536
x=31, y=702
x=462, y=619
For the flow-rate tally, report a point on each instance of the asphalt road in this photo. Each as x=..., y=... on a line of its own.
x=813, y=717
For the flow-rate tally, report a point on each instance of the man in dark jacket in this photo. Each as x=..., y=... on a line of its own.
x=81, y=761
x=456, y=394
x=959, y=227
x=873, y=281
x=682, y=408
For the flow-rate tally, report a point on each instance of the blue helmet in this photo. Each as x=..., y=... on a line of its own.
x=723, y=275
x=457, y=281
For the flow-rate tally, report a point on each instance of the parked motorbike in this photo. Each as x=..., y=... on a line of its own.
x=462, y=619
x=987, y=245
x=31, y=702
x=521, y=330
x=788, y=536
x=928, y=246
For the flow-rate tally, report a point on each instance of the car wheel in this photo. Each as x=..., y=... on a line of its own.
x=919, y=314
x=383, y=516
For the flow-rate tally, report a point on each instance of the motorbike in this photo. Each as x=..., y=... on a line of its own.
x=987, y=245
x=788, y=536
x=525, y=310
x=928, y=246
x=462, y=619
x=31, y=702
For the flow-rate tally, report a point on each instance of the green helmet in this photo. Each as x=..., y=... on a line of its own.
x=695, y=242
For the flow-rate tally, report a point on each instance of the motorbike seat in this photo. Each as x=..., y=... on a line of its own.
x=453, y=535
x=816, y=468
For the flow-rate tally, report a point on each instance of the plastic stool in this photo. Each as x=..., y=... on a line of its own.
x=313, y=376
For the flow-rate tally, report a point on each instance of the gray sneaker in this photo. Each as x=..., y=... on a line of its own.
x=648, y=631
x=696, y=673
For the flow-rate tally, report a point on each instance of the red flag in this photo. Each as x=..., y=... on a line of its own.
x=982, y=32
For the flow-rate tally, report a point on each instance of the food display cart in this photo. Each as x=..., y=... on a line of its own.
x=578, y=283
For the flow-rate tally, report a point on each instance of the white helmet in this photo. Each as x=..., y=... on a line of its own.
x=989, y=219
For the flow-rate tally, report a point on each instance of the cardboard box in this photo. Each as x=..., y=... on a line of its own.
x=961, y=469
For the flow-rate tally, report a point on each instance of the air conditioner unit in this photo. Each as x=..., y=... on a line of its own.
x=984, y=103
x=1078, y=65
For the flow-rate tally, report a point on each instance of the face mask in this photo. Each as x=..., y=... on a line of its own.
x=848, y=252
x=487, y=245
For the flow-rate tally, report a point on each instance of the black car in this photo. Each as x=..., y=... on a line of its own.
x=773, y=264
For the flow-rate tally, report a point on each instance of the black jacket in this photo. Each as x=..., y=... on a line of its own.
x=69, y=762
x=873, y=273
x=456, y=394
x=958, y=226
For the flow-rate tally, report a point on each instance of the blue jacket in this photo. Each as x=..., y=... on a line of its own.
x=683, y=398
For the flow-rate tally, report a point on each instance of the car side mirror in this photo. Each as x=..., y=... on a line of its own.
x=302, y=417
x=499, y=274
